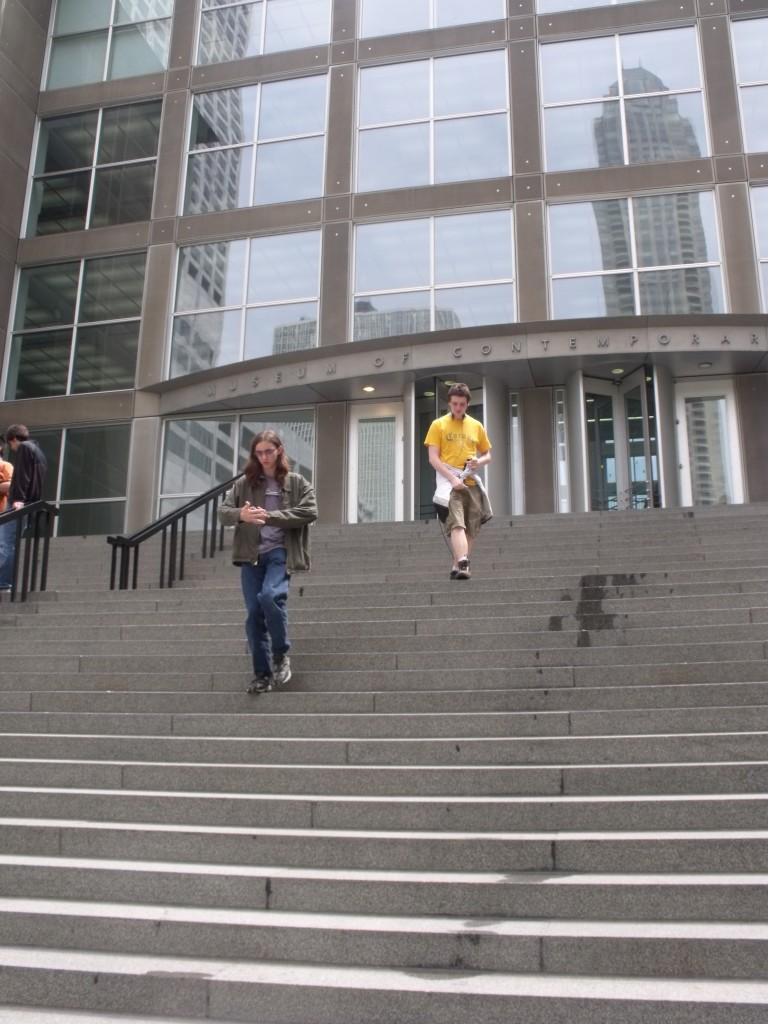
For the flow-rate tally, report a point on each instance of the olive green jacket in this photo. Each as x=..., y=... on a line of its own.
x=298, y=509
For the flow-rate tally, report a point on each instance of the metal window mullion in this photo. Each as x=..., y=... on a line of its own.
x=73, y=341
x=244, y=295
x=431, y=120
x=633, y=253
x=432, y=265
x=110, y=31
x=94, y=165
x=255, y=144
x=263, y=42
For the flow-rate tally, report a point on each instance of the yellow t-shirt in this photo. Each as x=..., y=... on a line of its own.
x=458, y=440
x=6, y=472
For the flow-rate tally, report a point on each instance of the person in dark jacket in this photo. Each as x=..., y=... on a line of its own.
x=271, y=509
x=29, y=469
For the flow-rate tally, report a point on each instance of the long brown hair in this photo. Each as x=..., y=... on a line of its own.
x=253, y=469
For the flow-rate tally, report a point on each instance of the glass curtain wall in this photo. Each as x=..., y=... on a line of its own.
x=76, y=327
x=100, y=40
x=760, y=223
x=258, y=144
x=433, y=274
x=430, y=121
x=627, y=99
x=232, y=31
x=750, y=46
x=389, y=17
x=642, y=255
x=94, y=169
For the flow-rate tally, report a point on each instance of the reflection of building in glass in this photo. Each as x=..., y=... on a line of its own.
x=226, y=36
x=293, y=337
x=376, y=470
x=669, y=230
x=708, y=450
x=377, y=323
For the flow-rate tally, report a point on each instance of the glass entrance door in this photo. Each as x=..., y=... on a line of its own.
x=375, y=463
x=708, y=444
x=621, y=443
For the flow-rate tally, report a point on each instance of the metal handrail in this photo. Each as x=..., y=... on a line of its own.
x=173, y=542
x=34, y=524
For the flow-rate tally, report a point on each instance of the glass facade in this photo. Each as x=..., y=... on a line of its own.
x=431, y=121
x=760, y=221
x=76, y=327
x=95, y=169
x=433, y=274
x=643, y=255
x=244, y=299
x=391, y=17
x=259, y=144
x=623, y=100
x=232, y=31
x=750, y=46
x=99, y=40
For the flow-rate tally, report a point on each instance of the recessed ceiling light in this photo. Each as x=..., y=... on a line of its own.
x=705, y=366
x=617, y=371
x=369, y=387
x=429, y=394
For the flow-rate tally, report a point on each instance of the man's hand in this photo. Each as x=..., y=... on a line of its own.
x=458, y=485
x=18, y=504
x=252, y=514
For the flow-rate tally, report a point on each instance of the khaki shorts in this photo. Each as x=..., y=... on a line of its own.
x=467, y=510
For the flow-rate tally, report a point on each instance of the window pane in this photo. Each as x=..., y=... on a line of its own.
x=389, y=17
x=81, y=15
x=293, y=24
x=127, y=11
x=224, y=117
x=611, y=295
x=393, y=157
x=289, y=170
x=274, y=329
x=666, y=128
x=205, y=340
x=66, y=142
x=652, y=61
x=219, y=181
x=47, y=295
x=375, y=470
x=579, y=70
x=470, y=307
x=285, y=267
x=583, y=136
x=211, y=275
x=198, y=454
x=471, y=147
x=123, y=194
x=750, y=40
x=382, y=316
x=76, y=60
x=458, y=12
x=140, y=49
x=39, y=365
x=50, y=442
x=764, y=279
x=589, y=236
x=297, y=431
x=754, y=104
x=675, y=229
x=690, y=290
x=395, y=92
x=96, y=462
x=760, y=207
x=392, y=255
x=294, y=107
x=59, y=204
x=105, y=357
x=129, y=133
x=230, y=34
x=91, y=519
x=470, y=82
x=473, y=247
x=113, y=288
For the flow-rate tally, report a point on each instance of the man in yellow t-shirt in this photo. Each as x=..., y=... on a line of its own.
x=457, y=442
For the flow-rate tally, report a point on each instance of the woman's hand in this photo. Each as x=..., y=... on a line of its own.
x=253, y=514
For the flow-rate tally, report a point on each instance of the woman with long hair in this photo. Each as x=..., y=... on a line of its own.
x=271, y=509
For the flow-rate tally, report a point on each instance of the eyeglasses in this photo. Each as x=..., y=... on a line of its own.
x=265, y=451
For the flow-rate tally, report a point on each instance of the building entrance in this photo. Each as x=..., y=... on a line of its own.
x=708, y=443
x=621, y=443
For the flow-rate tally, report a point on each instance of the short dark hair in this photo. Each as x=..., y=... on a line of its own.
x=17, y=432
x=461, y=390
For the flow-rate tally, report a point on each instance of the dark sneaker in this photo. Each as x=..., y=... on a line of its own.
x=454, y=574
x=260, y=683
x=281, y=670
x=462, y=572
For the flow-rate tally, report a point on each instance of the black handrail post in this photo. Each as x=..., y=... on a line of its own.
x=214, y=509
x=162, y=557
x=125, y=554
x=204, y=545
x=135, y=567
x=113, y=564
x=25, y=571
x=46, y=549
x=183, y=549
x=35, y=549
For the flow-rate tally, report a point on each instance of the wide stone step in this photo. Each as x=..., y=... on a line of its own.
x=241, y=989
x=467, y=893
x=709, y=949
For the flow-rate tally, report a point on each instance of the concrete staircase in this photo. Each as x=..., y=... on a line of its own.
x=537, y=796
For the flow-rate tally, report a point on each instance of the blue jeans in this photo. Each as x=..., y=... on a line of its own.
x=265, y=589
x=7, y=551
